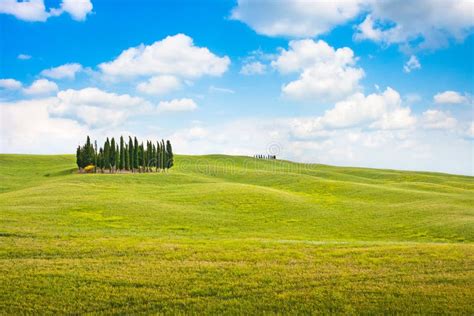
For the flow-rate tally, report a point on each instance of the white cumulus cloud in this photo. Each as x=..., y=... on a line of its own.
x=326, y=74
x=66, y=71
x=435, y=119
x=450, y=97
x=175, y=55
x=95, y=107
x=253, y=68
x=10, y=84
x=297, y=18
x=78, y=9
x=28, y=127
x=423, y=24
x=177, y=105
x=36, y=11
x=41, y=87
x=159, y=85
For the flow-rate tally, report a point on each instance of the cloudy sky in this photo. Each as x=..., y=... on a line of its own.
x=346, y=82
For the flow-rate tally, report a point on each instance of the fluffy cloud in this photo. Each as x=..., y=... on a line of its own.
x=175, y=55
x=435, y=119
x=414, y=149
x=470, y=130
x=177, y=105
x=380, y=111
x=41, y=87
x=28, y=127
x=23, y=57
x=96, y=108
x=423, y=23
x=298, y=18
x=450, y=97
x=412, y=64
x=159, y=85
x=66, y=71
x=10, y=84
x=35, y=10
x=78, y=9
x=326, y=74
x=400, y=118
x=253, y=68
x=383, y=110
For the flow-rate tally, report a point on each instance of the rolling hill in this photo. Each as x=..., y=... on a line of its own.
x=233, y=235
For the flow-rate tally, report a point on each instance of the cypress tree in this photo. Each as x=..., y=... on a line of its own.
x=117, y=157
x=158, y=155
x=131, y=153
x=122, y=154
x=169, y=152
x=149, y=155
x=126, y=158
x=107, y=154
x=164, y=158
x=142, y=156
x=95, y=155
x=135, y=154
x=153, y=155
x=78, y=158
x=100, y=160
x=112, y=154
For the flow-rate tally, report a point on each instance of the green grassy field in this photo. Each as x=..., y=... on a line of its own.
x=233, y=235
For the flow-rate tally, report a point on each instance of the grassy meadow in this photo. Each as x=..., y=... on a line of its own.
x=233, y=235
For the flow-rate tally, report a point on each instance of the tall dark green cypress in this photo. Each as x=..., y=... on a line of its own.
x=107, y=154
x=164, y=157
x=158, y=155
x=169, y=152
x=113, y=163
x=131, y=153
x=78, y=157
x=122, y=154
x=126, y=158
x=153, y=155
x=142, y=156
x=117, y=157
x=100, y=160
x=135, y=154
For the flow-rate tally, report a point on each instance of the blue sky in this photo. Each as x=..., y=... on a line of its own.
x=358, y=82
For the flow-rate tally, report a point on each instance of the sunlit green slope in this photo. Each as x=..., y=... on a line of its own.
x=233, y=234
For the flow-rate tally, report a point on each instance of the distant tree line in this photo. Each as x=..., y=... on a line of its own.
x=269, y=157
x=122, y=156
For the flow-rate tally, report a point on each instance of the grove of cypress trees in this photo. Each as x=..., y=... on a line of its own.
x=113, y=156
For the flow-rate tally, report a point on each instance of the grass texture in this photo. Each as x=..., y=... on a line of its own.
x=233, y=235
